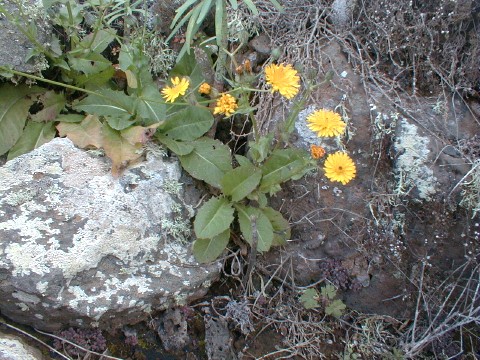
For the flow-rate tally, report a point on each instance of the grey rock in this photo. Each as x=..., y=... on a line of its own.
x=81, y=248
x=15, y=46
x=15, y=348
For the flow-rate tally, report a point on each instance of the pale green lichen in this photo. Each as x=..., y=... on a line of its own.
x=471, y=189
x=412, y=171
x=20, y=197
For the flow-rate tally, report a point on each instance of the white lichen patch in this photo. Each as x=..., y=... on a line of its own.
x=412, y=170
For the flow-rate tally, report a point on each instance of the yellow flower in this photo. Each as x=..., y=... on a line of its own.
x=326, y=123
x=316, y=151
x=204, y=89
x=283, y=78
x=225, y=105
x=340, y=167
x=180, y=86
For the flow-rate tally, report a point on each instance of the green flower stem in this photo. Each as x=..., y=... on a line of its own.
x=51, y=82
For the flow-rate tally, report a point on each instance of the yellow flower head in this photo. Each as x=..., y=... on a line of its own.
x=204, y=89
x=180, y=86
x=340, y=167
x=283, y=78
x=226, y=105
x=326, y=123
x=316, y=151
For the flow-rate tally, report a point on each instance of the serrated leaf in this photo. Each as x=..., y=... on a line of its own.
x=328, y=292
x=85, y=134
x=208, y=250
x=282, y=165
x=241, y=181
x=309, y=299
x=209, y=161
x=247, y=216
x=188, y=124
x=178, y=147
x=34, y=135
x=52, y=103
x=107, y=103
x=213, y=218
x=281, y=227
x=336, y=308
x=14, y=107
x=119, y=149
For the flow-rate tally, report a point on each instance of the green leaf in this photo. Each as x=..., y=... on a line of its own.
x=180, y=11
x=119, y=123
x=89, y=64
x=336, y=308
x=70, y=118
x=213, y=218
x=260, y=149
x=219, y=14
x=14, y=107
x=149, y=105
x=309, y=299
x=85, y=134
x=188, y=66
x=208, y=250
x=94, y=81
x=178, y=147
x=241, y=181
x=188, y=124
x=52, y=103
x=34, y=135
x=107, y=102
x=101, y=40
x=251, y=6
x=328, y=292
x=283, y=165
x=209, y=161
x=281, y=227
x=207, y=4
x=248, y=215
x=242, y=160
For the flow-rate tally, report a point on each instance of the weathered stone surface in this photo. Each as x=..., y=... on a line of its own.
x=14, y=46
x=81, y=248
x=15, y=348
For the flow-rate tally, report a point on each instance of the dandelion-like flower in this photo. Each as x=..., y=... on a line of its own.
x=326, y=123
x=340, y=167
x=226, y=105
x=179, y=88
x=205, y=88
x=283, y=78
x=316, y=151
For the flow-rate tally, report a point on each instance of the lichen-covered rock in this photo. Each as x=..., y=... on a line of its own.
x=15, y=46
x=15, y=348
x=81, y=248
